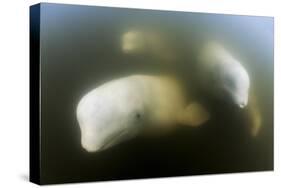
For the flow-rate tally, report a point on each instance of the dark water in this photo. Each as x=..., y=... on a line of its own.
x=81, y=48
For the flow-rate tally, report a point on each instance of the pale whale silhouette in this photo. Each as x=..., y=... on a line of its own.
x=226, y=78
x=222, y=74
x=123, y=108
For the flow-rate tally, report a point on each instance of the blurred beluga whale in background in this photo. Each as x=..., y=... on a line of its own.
x=209, y=65
x=214, y=64
x=123, y=108
x=224, y=77
x=154, y=44
x=222, y=74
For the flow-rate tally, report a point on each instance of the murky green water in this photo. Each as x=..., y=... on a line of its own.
x=81, y=48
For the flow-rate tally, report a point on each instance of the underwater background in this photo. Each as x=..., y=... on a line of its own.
x=82, y=47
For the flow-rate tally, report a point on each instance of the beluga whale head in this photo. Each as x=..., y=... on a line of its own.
x=108, y=115
x=226, y=75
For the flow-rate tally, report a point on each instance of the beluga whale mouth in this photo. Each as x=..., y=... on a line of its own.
x=242, y=105
x=115, y=139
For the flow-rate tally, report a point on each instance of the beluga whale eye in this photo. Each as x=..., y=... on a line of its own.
x=138, y=116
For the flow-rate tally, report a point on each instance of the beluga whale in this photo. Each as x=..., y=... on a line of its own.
x=223, y=76
x=123, y=108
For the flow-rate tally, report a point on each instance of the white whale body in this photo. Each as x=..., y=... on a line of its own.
x=223, y=75
x=123, y=108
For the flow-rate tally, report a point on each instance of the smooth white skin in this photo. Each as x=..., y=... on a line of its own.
x=230, y=77
x=236, y=83
x=121, y=109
